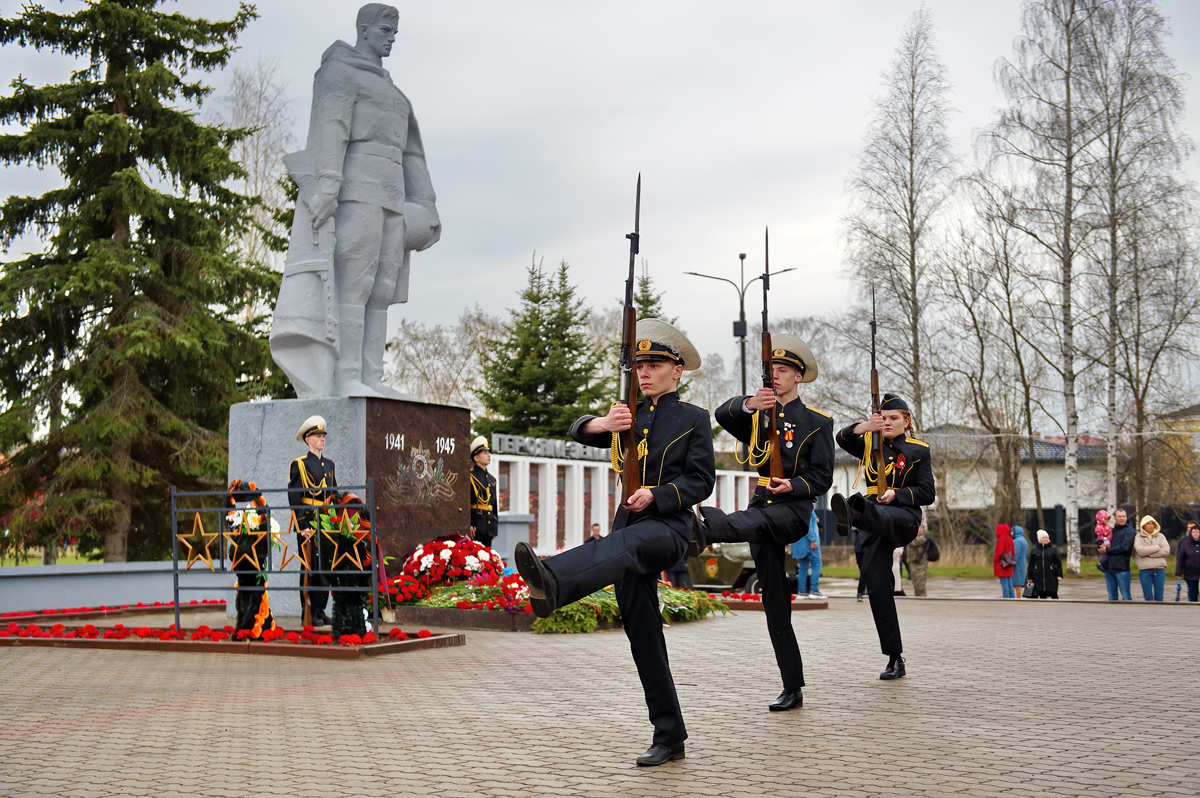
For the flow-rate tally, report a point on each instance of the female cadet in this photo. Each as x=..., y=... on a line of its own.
x=890, y=520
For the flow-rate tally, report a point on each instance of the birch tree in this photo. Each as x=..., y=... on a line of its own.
x=902, y=181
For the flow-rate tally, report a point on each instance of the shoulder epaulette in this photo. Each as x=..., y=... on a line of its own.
x=693, y=404
x=917, y=442
x=818, y=412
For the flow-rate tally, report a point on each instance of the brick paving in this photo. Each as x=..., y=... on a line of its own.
x=1003, y=698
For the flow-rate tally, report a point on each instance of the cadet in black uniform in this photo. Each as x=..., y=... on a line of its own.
x=484, y=495
x=780, y=510
x=309, y=481
x=650, y=532
x=890, y=520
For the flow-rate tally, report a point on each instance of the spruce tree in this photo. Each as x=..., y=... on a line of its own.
x=122, y=342
x=649, y=302
x=540, y=376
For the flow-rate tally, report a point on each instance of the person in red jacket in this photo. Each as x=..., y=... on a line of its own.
x=1004, y=559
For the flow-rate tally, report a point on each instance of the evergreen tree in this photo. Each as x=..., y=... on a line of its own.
x=123, y=342
x=648, y=301
x=539, y=375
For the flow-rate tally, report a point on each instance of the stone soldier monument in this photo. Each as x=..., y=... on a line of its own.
x=366, y=202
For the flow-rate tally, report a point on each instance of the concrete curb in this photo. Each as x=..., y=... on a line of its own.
x=439, y=640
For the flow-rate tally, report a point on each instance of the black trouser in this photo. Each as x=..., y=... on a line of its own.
x=862, y=578
x=765, y=529
x=484, y=540
x=631, y=558
x=877, y=573
x=317, y=599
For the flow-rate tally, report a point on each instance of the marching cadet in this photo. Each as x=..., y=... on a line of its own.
x=891, y=520
x=779, y=512
x=651, y=531
x=484, y=495
x=310, y=483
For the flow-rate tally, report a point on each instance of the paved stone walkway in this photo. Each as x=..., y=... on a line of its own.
x=1024, y=699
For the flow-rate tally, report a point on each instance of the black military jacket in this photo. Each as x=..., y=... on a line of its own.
x=678, y=466
x=907, y=464
x=484, y=502
x=805, y=445
x=308, y=483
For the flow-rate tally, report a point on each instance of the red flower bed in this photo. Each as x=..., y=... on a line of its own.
x=735, y=596
x=106, y=608
x=202, y=634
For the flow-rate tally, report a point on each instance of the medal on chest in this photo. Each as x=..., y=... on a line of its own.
x=900, y=462
x=789, y=434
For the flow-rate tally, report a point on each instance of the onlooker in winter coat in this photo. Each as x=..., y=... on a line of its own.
x=1150, y=552
x=1187, y=560
x=1021, y=554
x=1116, y=564
x=1045, y=568
x=807, y=553
x=916, y=554
x=1003, y=560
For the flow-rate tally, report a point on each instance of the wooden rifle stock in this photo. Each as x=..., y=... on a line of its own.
x=631, y=479
x=769, y=427
x=877, y=438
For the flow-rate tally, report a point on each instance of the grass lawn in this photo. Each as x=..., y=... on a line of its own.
x=34, y=557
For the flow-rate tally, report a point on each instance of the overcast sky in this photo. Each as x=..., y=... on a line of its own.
x=537, y=116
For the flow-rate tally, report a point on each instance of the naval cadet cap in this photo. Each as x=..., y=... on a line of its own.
x=892, y=402
x=658, y=340
x=311, y=424
x=791, y=351
x=478, y=445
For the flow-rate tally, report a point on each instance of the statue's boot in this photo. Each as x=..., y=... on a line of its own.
x=350, y=359
x=374, y=344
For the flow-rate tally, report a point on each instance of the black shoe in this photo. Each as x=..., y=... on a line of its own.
x=543, y=589
x=658, y=754
x=320, y=619
x=699, y=541
x=788, y=699
x=841, y=511
x=895, y=669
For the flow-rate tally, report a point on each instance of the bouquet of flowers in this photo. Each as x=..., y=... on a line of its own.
x=447, y=561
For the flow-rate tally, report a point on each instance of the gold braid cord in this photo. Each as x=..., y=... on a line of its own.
x=758, y=452
x=867, y=464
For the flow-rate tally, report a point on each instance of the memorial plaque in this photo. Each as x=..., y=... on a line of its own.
x=418, y=456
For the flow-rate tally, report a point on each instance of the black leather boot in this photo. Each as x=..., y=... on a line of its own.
x=841, y=511
x=543, y=588
x=894, y=670
x=788, y=699
x=657, y=754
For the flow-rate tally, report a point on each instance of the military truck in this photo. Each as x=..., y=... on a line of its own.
x=729, y=566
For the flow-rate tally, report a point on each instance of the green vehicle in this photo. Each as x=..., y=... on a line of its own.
x=729, y=566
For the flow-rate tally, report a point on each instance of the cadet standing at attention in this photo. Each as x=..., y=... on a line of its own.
x=890, y=520
x=310, y=480
x=484, y=496
x=779, y=512
x=651, y=531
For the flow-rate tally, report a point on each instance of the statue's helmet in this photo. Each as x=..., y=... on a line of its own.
x=420, y=223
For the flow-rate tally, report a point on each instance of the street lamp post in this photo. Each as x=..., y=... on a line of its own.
x=739, y=325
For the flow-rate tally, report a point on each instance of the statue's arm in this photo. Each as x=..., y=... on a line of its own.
x=417, y=185
x=328, y=134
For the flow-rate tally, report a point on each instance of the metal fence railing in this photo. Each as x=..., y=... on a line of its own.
x=196, y=512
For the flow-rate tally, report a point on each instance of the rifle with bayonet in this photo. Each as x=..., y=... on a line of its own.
x=876, y=440
x=769, y=430
x=627, y=393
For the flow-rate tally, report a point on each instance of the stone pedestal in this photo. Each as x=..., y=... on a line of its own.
x=417, y=453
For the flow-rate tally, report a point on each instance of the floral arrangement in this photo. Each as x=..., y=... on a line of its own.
x=483, y=592
x=448, y=561
x=200, y=635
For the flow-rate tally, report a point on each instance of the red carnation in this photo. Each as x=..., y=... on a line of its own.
x=424, y=633
x=292, y=637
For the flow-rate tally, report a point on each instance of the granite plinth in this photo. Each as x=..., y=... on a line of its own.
x=416, y=453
